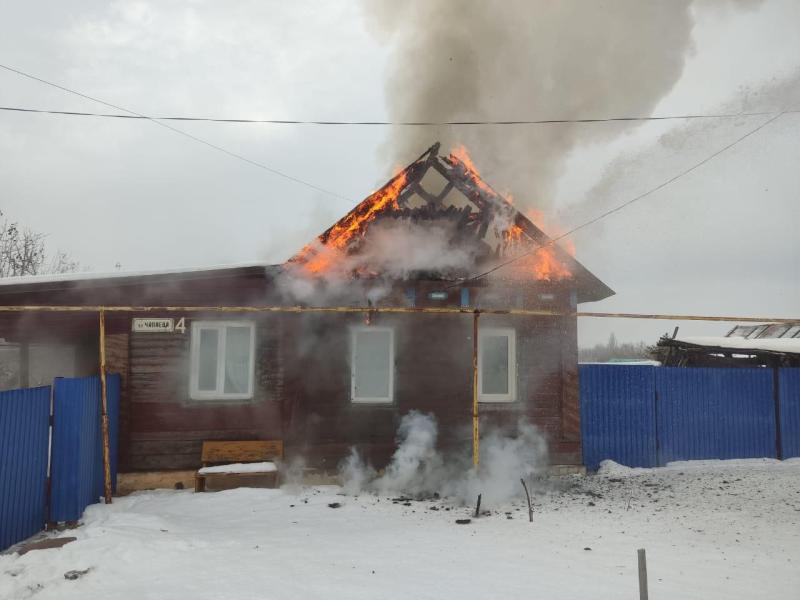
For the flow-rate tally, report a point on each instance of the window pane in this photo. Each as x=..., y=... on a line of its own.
x=207, y=360
x=494, y=367
x=237, y=360
x=372, y=364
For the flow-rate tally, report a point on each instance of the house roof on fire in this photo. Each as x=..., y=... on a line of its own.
x=432, y=189
x=436, y=189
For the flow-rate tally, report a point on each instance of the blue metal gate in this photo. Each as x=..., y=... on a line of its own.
x=789, y=392
x=618, y=415
x=77, y=452
x=705, y=413
x=24, y=432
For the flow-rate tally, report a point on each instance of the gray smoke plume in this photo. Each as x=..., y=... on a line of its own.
x=527, y=60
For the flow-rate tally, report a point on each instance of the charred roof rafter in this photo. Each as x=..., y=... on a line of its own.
x=489, y=208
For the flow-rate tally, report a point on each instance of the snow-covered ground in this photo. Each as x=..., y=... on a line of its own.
x=711, y=529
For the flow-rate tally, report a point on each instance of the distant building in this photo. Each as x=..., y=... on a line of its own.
x=764, y=345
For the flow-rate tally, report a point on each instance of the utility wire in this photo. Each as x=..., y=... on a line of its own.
x=599, y=217
x=137, y=115
x=625, y=204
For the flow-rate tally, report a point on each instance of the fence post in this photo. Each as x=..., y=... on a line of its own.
x=476, y=440
x=776, y=396
x=642, y=574
x=104, y=411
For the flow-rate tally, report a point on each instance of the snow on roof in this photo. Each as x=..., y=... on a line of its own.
x=89, y=276
x=790, y=345
x=625, y=363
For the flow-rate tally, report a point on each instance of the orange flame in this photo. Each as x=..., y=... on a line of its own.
x=543, y=262
x=327, y=249
x=538, y=219
x=460, y=155
x=330, y=248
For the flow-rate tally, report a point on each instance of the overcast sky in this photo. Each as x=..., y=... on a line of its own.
x=722, y=240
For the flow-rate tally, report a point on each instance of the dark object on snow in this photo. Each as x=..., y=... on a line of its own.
x=75, y=574
x=478, y=507
x=587, y=548
x=463, y=521
x=334, y=505
x=178, y=485
x=45, y=544
x=528, y=496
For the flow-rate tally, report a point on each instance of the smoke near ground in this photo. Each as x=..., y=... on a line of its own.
x=527, y=60
x=418, y=469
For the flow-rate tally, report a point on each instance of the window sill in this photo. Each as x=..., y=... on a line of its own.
x=492, y=406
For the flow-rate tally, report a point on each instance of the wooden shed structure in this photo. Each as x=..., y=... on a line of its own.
x=326, y=381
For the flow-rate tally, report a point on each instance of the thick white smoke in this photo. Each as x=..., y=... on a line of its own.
x=394, y=249
x=418, y=469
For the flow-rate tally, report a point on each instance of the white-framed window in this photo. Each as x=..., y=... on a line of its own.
x=497, y=365
x=372, y=365
x=222, y=360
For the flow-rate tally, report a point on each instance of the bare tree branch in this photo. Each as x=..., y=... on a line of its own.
x=23, y=252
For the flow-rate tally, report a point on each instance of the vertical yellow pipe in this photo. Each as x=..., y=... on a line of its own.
x=476, y=440
x=104, y=411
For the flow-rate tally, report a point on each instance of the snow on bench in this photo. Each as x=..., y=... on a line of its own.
x=238, y=457
x=238, y=468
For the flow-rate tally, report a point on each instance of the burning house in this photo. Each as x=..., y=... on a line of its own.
x=373, y=319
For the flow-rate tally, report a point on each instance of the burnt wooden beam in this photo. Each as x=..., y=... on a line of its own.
x=424, y=194
x=446, y=190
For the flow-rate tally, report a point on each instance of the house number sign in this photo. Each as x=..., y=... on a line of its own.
x=147, y=325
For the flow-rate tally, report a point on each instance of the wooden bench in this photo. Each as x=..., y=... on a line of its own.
x=221, y=459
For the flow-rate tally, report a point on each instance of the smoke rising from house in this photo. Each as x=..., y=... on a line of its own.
x=457, y=60
x=395, y=250
x=419, y=469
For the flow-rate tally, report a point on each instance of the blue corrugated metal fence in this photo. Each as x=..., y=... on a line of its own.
x=645, y=416
x=24, y=431
x=77, y=455
x=618, y=415
x=789, y=390
x=706, y=413
x=75, y=452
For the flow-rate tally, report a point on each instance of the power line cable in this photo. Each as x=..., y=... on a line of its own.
x=625, y=204
x=179, y=131
x=135, y=116
x=607, y=213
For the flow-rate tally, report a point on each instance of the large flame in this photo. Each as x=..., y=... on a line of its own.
x=542, y=262
x=328, y=249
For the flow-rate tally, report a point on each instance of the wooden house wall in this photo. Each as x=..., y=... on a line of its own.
x=302, y=379
x=433, y=374
x=302, y=390
x=165, y=428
